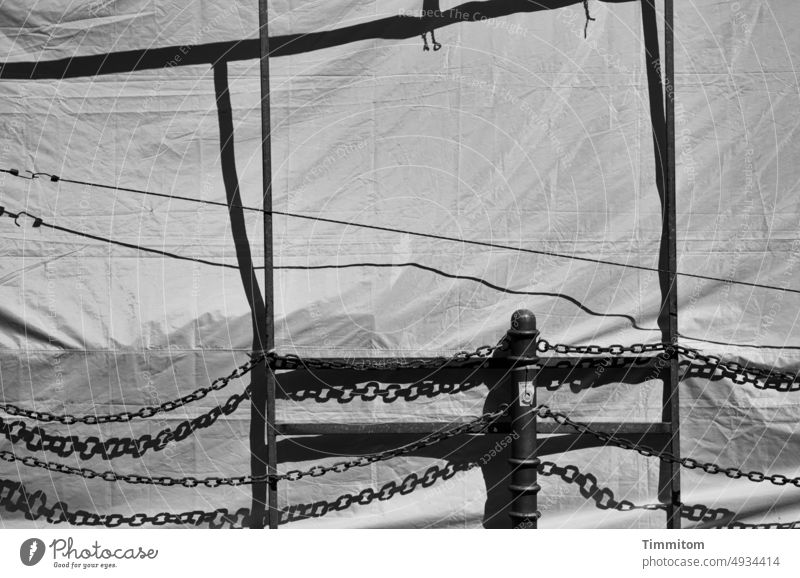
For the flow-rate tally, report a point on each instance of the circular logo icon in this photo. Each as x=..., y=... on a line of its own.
x=31, y=552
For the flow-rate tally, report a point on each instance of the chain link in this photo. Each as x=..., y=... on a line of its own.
x=36, y=439
x=371, y=391
x=366, y=496
x=758, y=377
x=477, y=425
x=709, y=366
x=766, y=526
x=460, y=359
x=34, y=506
x=543, y=346
x=688, y=463
x=145, y=412
x=14, y=497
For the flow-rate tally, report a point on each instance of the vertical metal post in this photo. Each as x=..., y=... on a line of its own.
x=524, y=463
x=671, y=398
x=269, y=299
x=662, y=114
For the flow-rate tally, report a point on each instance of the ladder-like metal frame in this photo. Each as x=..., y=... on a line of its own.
x=524, y=479
x=522, y=369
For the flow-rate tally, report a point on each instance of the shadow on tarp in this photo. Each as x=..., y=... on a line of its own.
x=464, y=452
x=15, y=497
x=345, y=386
x=391, y=28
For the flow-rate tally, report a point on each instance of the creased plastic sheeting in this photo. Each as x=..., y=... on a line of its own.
x=518, y=132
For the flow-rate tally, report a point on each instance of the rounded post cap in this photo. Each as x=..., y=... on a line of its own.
x=523, y=320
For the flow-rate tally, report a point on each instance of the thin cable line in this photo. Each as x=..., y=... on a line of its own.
x=56, y=178
x=483, y=282
x=38, y=222
x=731, y=344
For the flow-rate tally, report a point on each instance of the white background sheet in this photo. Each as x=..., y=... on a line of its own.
x=518, y=131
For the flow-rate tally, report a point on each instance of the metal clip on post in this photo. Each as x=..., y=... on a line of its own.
x=522, y=338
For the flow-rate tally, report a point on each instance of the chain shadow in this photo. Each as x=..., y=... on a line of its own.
x=461, y=453
x=15, y=497
x=343, y=386
x=589, y=488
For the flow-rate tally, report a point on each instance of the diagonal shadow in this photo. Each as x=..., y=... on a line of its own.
x=247, y=270
x=587, y=483
x=391, y=28
x=15, y=497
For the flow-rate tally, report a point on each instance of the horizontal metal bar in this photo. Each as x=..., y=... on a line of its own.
x=621, y=428
x=552, y=373
x=491, y=363
x=385, y=364
x=611, y=427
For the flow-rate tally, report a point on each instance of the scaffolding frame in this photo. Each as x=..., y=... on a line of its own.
x=662, y=113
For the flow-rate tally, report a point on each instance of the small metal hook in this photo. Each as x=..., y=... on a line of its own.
x=37, y=222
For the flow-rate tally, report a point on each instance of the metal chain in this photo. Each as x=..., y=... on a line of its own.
x=145, y=412
x=475, y=426
x=604, y=498
x=736, y=372
x=766, y=526
x=366, y=496
x=373, y=390
x=391, y=392
x=34, y=505
x=689, y=463
x=15, y=497
x=460, y=359
x=36, y=439
x=543, y=346
x=741, y=374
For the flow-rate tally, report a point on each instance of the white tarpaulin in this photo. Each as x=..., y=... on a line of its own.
x=517, y=132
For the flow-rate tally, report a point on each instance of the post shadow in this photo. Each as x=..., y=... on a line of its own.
x=247, y=272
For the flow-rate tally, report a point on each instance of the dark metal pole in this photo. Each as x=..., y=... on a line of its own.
x=662, y=118
x=671, y=401
x=524, y=487
x=269, y=299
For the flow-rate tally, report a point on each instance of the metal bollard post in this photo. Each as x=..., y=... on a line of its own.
x=522, y=339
